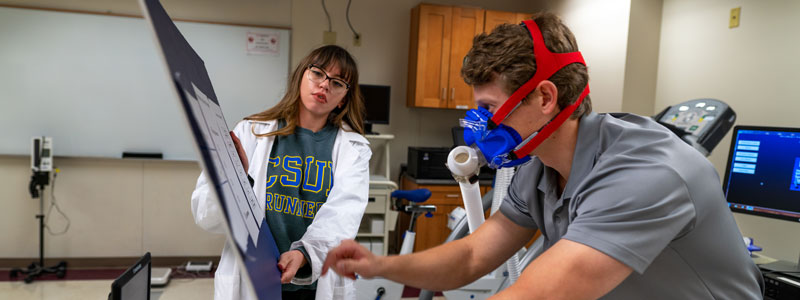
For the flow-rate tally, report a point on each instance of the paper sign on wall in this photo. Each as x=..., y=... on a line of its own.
x=262, y=43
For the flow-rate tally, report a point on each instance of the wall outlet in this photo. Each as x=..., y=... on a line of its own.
x=329, y=37
x=734, y=20
x=357, y=40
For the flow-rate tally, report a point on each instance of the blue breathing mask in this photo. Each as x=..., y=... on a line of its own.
x=494, y=144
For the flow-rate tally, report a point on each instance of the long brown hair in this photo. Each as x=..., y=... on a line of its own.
x=288, y=108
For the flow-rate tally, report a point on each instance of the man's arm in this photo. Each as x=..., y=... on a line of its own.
x=444, y=267
x=568, y=270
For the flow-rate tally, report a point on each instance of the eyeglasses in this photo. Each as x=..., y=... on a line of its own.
x=317, y=75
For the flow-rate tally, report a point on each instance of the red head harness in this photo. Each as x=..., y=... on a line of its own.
x=547, y=64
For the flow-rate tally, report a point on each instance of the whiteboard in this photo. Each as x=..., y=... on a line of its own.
x=97, y=86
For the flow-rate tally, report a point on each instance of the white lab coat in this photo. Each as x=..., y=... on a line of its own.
x=338, y=219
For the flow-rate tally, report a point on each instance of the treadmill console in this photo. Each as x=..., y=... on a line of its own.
x=701, y=123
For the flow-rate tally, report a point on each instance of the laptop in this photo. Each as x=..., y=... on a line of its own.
x=134, y=283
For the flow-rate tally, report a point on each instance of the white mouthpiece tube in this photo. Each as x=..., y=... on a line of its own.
x=464, y=163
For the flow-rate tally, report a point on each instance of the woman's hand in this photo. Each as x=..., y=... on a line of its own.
x=289, y=263
x=240, y=150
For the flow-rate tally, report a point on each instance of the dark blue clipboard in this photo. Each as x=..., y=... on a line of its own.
x=217, y=156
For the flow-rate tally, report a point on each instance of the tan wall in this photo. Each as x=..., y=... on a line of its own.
x=753, y=68
x=601, y=29
x=268, y=13
x=641, y=66
x=116, y=207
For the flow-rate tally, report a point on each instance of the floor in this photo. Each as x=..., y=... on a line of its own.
x=185, y=288
x=201, y=288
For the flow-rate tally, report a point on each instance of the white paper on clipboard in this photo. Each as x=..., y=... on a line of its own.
x=234, y=182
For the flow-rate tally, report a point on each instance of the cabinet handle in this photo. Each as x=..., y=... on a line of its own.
x=444, y=94
x=452, y=195
x=453, y=93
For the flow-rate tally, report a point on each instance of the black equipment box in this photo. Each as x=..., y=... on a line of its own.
x=428, y=163
x=780, y=286
x=431, y=163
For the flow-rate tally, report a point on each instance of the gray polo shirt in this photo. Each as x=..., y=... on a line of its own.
x=642, y=196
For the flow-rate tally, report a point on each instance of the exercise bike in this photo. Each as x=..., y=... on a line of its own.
x=384, y=289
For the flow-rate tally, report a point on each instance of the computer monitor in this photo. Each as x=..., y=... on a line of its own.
x=763, y=173
x=763, y=176
x=134, y=284
x=376, y=104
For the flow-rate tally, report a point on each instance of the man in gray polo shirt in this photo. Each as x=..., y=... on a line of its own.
x=627, y=210
x=645, y=198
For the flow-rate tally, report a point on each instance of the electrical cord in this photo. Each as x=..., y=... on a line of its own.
x=54, y=204
x=325, y=9
x=180, y=271
x=347, y=16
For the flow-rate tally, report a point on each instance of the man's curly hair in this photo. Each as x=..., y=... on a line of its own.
x=508, y=52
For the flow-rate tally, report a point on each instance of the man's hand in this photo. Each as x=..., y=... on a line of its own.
x=289, y=263
x=240, y=150
x=350, y=258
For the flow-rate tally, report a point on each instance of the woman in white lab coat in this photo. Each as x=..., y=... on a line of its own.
x=321, y=118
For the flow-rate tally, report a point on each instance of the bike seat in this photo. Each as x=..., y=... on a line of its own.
x=417, y=196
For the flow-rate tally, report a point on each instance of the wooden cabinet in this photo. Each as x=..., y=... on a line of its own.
x=467, y=22
x=494, y=18
x=440, y=38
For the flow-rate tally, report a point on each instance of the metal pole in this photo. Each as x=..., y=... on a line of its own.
x=40, y=216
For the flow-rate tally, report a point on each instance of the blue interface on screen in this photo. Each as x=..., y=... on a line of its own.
x=763, y=175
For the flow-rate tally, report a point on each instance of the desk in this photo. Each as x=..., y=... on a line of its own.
x=761, y=259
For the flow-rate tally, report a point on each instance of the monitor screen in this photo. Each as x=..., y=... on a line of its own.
x=376, y=103
x=763, y=172
x=134, y=284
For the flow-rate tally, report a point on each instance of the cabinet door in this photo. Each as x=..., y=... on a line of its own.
x=467, y=22
x=494, y=18
x=429, y=55
x=433, y=231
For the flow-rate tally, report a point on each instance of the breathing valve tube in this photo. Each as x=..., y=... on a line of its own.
x=464, y=163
